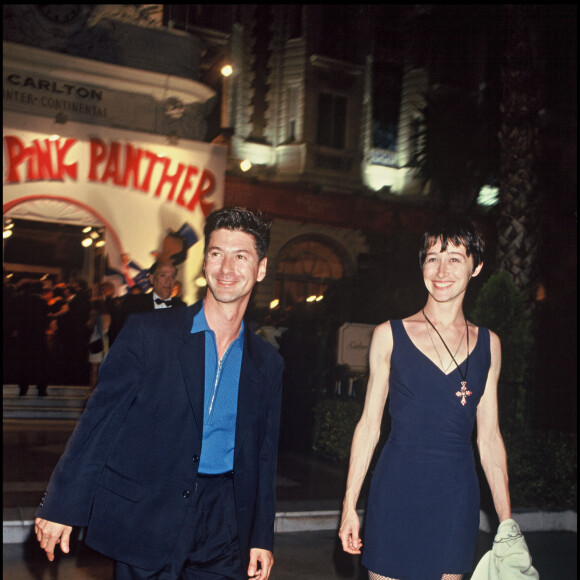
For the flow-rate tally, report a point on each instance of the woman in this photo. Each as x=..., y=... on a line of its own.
x=440, y=373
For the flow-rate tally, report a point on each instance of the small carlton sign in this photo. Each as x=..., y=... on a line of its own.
x=49, y=96
x=354, y=341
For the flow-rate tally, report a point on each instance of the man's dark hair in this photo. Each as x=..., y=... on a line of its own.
x=243, y=220
x=460, y=233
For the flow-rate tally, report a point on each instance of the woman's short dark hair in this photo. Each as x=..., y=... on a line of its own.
x=459, y=233
x=243, y=220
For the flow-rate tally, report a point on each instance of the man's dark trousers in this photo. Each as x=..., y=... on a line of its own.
x=207, y=546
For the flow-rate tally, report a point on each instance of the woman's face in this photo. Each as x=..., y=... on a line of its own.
x=447, y=273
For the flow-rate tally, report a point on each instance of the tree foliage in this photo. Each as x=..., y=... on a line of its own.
x=459, y=151
x=500, y=307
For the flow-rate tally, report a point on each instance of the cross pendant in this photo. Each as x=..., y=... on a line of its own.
x=463, y=393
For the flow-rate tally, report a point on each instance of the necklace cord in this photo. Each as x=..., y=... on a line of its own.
x=445, y=369
x=464, y=377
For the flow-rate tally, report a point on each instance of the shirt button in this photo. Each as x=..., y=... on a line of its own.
x=186, y=494
x=195, y=458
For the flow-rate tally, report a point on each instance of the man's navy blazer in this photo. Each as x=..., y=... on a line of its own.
x=128, y=472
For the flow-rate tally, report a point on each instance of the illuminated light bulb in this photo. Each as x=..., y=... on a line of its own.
x=246, y=165
x=87, y=242
x=227, y=70
x=274, y=303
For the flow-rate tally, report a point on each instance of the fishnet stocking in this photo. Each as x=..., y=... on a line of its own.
x=373, y=576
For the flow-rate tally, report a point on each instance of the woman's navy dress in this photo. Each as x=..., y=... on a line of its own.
x=423, y=507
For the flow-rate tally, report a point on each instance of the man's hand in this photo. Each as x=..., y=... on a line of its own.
x=49, y=534
x=266, y=560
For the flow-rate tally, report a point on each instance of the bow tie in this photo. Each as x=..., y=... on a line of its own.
x=166, y=302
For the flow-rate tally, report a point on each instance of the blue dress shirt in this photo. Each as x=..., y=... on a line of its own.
x=220, y=399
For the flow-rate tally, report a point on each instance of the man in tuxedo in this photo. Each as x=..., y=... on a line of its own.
x=162, y=278
x=172, y=465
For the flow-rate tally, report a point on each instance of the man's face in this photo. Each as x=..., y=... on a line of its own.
x=232, y=266
x=163, y=280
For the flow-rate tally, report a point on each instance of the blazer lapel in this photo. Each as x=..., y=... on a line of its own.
x=249, y=390
x=191, y=356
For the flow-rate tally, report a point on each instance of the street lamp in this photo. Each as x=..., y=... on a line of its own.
x=227, y=70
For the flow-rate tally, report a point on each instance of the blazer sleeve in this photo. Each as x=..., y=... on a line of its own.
x=69, y=495
x=265, y=514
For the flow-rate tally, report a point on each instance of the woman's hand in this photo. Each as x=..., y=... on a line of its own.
x=349, y=533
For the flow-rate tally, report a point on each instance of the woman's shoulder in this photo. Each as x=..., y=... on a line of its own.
x=385, y=332
x=488, y=339
x=384, y=327
x=484, y=331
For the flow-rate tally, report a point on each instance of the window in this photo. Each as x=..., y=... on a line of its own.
x=331, y=121
x=183, y=16
x=387, y=80
x=292, y=126
x=294, y=20
x=306, y=269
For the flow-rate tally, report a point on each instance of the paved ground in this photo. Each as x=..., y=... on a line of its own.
x=298, y=555
x=31, y=448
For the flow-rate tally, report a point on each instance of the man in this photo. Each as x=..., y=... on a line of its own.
x=30, y=310
x=172, y=465
x=73, y=333
x=162, y=278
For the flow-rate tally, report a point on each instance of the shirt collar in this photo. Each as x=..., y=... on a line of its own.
x=200, y=323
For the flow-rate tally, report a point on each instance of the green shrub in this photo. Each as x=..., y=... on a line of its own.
x=500, y=307
x=334, y=424
x=542, y=465
x=542, y=469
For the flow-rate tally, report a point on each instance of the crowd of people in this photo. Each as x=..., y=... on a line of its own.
x=59, y=333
